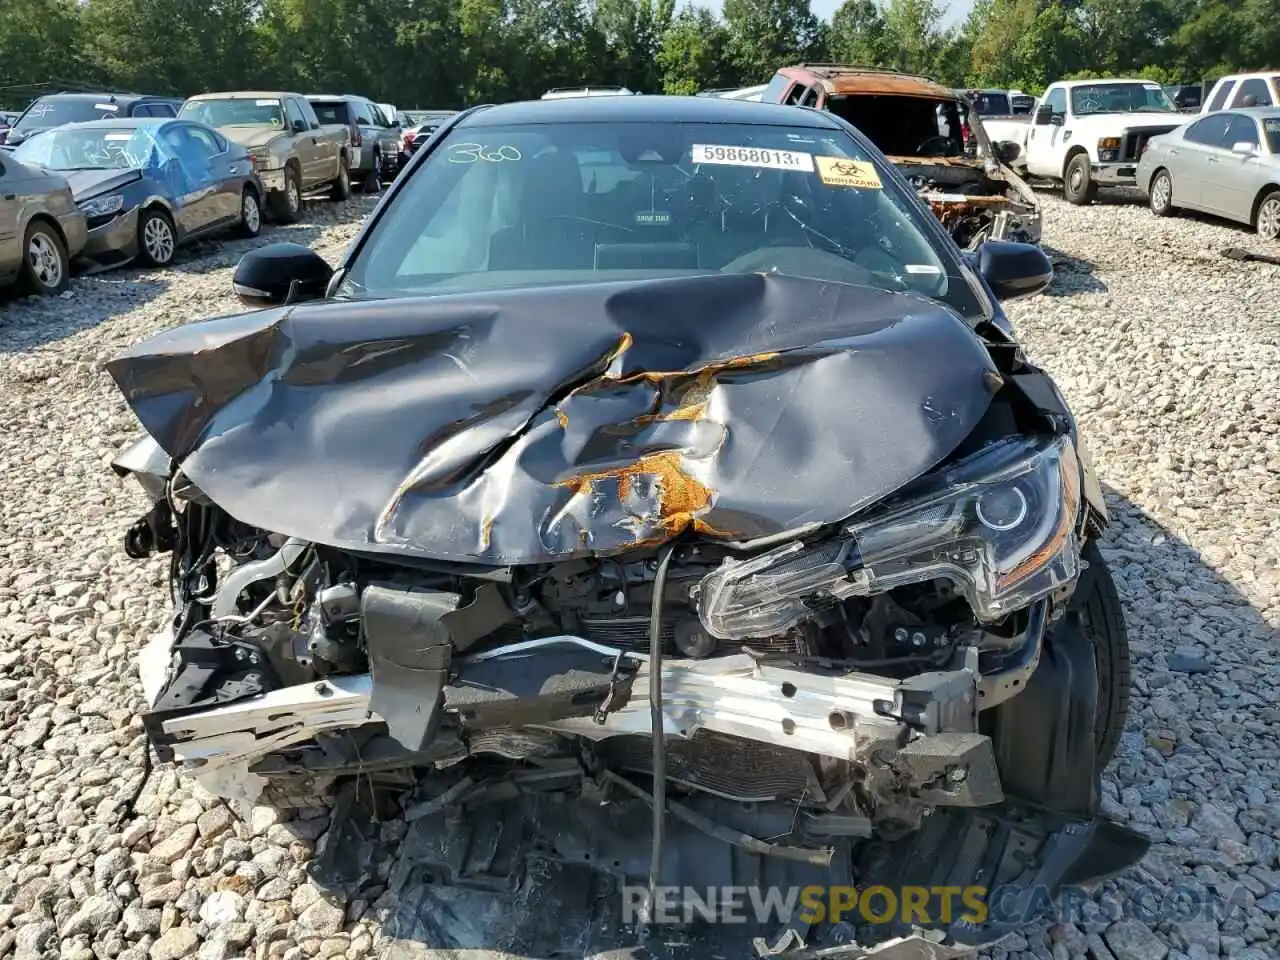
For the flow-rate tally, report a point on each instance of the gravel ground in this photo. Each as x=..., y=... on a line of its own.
x=1168, y=353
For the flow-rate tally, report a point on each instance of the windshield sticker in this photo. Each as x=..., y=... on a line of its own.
x=752, y=157
x=925, y=268
x=266, y=103
x=843, y=172
x=471, y=152
x=109, y=107
x=652, y=218
x=116, y=136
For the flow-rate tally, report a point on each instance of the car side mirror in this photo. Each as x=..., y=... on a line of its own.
x=1007, y=151
x=300, y=126
x=1244, y=148
x=1013, y=270
x=280, y=273
x=1044, y=115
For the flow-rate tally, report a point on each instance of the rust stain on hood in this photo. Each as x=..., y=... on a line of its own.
x=733, y=405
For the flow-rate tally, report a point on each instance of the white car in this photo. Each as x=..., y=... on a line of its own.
x=1243, y=90
x=1090, y=133
x=564, y=93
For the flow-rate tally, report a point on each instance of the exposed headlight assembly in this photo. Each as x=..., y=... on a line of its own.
x=102, y=206
x=1000, y=526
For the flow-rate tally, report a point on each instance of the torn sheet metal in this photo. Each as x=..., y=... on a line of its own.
x=531, y=425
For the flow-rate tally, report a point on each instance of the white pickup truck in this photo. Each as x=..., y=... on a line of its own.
x=1090, y=133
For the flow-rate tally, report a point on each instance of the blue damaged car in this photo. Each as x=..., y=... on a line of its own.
x=147, y=186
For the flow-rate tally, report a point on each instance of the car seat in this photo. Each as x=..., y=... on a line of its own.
x=542, y=237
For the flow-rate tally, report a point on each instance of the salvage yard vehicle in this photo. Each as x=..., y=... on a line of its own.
x=412, y=139
x=41, y=228
x=148, y=186
x=291, y=150
x=374, y=141
x=1091, y=133
x=56, y=109
x=1244, y=90
x=923, y=127
x=771, y=517
x=1225, y=163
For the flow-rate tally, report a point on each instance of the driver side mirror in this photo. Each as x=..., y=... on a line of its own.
x=1013, y=270
x=280, y=273
x=1046, y=115
x=1244, y=148
x=299, y=126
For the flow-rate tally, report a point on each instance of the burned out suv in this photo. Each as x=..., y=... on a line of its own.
x=922, y=127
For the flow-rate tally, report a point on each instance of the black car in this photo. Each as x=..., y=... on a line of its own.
x=657, y=482
x=55, y=109
x=148, y=186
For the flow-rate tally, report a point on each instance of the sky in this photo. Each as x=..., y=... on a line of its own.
x=956, y=12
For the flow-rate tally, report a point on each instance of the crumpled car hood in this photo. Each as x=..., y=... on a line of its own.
x=534, y=425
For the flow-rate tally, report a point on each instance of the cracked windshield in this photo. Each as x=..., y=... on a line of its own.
x=1120, y=98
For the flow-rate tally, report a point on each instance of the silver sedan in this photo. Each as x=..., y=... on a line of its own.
x=1225, y=163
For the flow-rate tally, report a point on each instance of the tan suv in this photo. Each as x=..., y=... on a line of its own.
x=41, y=228
x=923, y=129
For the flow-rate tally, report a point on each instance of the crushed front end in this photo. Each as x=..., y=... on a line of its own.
x=896, y=692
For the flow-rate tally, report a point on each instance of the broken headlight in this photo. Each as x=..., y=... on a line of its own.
x=999, y=525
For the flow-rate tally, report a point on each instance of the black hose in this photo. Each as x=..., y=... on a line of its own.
x=656, y=720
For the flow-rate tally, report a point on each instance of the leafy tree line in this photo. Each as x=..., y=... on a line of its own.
x=449, y=53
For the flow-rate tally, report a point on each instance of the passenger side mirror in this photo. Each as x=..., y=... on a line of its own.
x=1244, y=148
x=280, y=273
x=1013, y=270
x=1008, y=151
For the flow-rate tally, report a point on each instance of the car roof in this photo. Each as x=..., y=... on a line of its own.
x=245, y=95
x=843, y=79
x=1259, y=112
x=117, y=123
x=648, y=109
x=101, y=97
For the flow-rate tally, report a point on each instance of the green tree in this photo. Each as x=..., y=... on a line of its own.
x=857, y=33
x=39, y=42
x=767, y=34
x=694, y=54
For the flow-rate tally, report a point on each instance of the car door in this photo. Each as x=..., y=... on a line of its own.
x=1241, y=174
x=191, y=179
x=227, y=169
x=305, y=141
x=10, y=239
x=1199, y=161
x=324, y=149
x=1045, y=135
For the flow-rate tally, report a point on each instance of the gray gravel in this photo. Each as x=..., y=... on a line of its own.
x=1169, y=354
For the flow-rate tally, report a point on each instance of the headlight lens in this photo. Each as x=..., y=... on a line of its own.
x=102, y=206
x=1000, y=526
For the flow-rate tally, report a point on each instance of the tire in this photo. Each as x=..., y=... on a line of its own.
x=1267, y=219
x=286, y=204
x=1077, y=181
x=157, y=238
x=372, y=181
x=1102, y=617
x=46, y=268
x=1160, y=194
x=250, y=224
x=341, y=190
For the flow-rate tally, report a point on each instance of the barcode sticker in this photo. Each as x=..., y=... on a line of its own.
x=753, y=157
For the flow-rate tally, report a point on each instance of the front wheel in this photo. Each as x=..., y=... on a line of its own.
x=1077, y=181
x=46, y=268
x=286, y=204
x=250, y=214
x=157, y=238
x=1160, y=194
x=1267, y=221
x=1102, y=616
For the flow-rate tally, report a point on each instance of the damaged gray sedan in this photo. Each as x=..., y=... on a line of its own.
x=657, y=486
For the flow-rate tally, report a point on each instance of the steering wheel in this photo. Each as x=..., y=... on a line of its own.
x=935, y=146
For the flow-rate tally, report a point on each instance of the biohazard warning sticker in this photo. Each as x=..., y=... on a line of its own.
x=843, y=172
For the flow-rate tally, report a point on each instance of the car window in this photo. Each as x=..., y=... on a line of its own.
x=209, y=140
x=294, y=112
x=55, y=111
x=1241, y=129
x=330, y=111
x=308, y=115
x=1220, y=95
x=991, y=104
x=1090, y=99
x=1252, y=93
x=91, y=148
x=1211, y=131
x=236, y=112
x=797, y=94
x=1056, y=101
x=1271, y=131
x=364, y=115
x=513, y=206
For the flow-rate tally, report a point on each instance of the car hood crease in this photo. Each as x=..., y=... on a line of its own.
x=533, y=425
